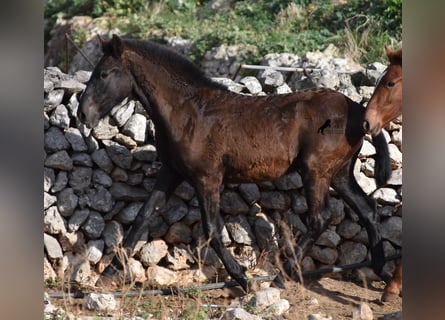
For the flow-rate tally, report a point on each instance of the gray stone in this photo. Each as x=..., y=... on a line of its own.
x=121, y=191
x=351, y=252
x=128, y=214
x=366, y=150
x=94, y=225
x=101, y=302
x=239, y=314
x=48, y=200
x=274, y=200
x=122, y=112
x=278, y=307
x=100, y=199
x=295, y=223
x=60, y=117
x=289, y=181
x=386, y=196
x=193, y=215
x=337, y=209
x=95, y=250
x=185, y=191
x=252, y=84
x=53, y=222
x=250, y=192
x=104, y=130
x=152, y=252
x=135, y=127
x=54, y=140
x=264, y=232
x=120, y=155
x=75, y=138
x=325, y=255
x=328, y=238
x=59, y=160
x=395, y=155
x=81, y=274
x=48, y=179
x=299, y=203
x=232, y=203
x=66, y=202
x=134, y=179
x=391, y=229
x=52, y=247
x=82, y=159
x=178, y=258
x=174, y=210
x=348, y=229
x=145, y=153
x=396, y=178
x=103, y=160
x=239, y=229
x=77, y=218
x=266, y=297
x=80, y=178
x=271, y=78
x=53, y=99
x=102, y=178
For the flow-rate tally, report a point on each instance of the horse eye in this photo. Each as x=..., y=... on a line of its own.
x=390, y=84
x=103, y=74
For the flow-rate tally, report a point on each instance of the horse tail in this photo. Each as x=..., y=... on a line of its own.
x=382, y=168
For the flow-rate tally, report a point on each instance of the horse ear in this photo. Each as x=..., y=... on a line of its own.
x=395, y=57
x=117, y=46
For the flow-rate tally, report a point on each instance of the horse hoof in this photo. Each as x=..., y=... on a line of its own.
x=389, y=297
x=278, y=282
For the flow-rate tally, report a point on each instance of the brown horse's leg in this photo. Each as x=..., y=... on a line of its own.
x=212, y=223
x=316, y=190
x=166, y=182
x=394, y=287
x=347, y=187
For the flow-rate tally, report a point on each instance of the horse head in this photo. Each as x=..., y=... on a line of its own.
x=386, y=101
x=109, y=84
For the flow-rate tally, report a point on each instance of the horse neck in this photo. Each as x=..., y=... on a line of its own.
x=168, y=98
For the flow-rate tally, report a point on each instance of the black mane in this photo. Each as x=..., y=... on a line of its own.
x=176, y=62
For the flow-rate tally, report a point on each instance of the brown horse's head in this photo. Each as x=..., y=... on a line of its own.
x=110, y=83
x=386, y=102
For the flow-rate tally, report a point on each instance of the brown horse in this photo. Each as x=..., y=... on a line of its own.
x=384, y=106
x=207, y=135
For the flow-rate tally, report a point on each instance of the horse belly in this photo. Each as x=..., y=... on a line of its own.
x=258, y=169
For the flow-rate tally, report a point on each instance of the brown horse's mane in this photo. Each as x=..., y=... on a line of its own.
x=172, y=60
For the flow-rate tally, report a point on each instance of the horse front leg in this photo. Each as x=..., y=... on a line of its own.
x=208, y=190
x=394, y=287
x=166, y=183
x=316, y=189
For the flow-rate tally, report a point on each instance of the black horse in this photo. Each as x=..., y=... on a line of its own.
x=207, y=135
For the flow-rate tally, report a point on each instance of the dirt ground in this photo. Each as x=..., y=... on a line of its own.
x=332, y=297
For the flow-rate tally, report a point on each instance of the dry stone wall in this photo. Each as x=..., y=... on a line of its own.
x=95, y=181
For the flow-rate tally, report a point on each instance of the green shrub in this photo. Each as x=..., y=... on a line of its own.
x=357, y=27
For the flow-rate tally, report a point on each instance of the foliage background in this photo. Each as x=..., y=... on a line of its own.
x=359, y=28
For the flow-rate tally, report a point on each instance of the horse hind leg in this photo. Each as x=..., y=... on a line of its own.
x=365, y=207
